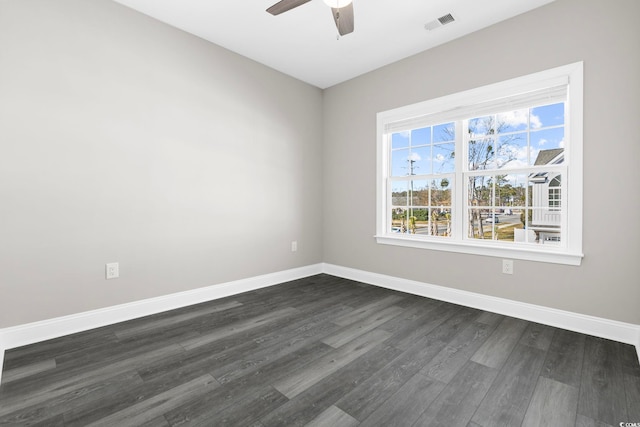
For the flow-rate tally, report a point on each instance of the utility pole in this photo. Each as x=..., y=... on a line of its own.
x=411, y=173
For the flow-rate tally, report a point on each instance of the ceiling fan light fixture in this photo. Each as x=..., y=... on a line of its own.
x=338, y=3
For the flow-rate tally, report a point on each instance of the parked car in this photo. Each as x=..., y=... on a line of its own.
x=493, y=219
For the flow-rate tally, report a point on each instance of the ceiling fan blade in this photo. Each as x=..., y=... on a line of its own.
x=284, y=5
x=343, y=17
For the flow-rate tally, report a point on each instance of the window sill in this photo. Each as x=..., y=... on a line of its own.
x=551, y=255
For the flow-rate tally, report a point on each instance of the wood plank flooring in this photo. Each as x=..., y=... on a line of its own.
x=322, y=351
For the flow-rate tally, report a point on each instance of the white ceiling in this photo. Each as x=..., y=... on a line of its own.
x=303, y=41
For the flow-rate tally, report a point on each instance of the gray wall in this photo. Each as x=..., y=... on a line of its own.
x=123, y=139
x=605, y=35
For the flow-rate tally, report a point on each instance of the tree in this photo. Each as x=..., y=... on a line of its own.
x=434, y=223
x=412, y=224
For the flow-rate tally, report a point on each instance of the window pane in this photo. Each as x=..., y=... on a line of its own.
x=481, y=154
x=421, y=136
x=400, y=140
x=442, y=226
x=542, y=144
x=444, y=158
x=512, y=121
x=419, y=162
x=400, y=162
x=511, y=191
x=419, y=189
x=480, y=191
x=399, y=218
x=440, y=192
x=548, y=115
x=512, y=151
x=444, y=133
x=481, y=126
x=418, y=221
x=399, y=194
x=506, y=227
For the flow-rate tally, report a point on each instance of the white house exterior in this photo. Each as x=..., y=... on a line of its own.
x=547, y=198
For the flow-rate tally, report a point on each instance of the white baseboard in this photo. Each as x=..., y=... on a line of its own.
x=590, y=325
x=30, y=333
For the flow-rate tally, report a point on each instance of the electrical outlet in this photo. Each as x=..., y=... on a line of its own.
x=294, y=246
x=507, y=266
x=112, y=270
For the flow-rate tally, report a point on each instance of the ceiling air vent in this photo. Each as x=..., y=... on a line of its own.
x=437, y=23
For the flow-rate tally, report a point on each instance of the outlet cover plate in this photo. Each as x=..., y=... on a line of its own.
x=507, y=266
x=112, y=270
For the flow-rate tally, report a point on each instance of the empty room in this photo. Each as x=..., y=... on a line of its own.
x=319, y=213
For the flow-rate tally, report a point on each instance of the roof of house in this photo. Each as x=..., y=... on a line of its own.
x=546, y=156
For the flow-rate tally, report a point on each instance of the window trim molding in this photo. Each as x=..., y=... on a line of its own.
x=569, y=255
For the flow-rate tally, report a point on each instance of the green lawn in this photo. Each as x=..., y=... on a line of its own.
x=504, y=232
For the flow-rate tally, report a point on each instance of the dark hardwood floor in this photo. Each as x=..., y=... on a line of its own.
x=322, y=351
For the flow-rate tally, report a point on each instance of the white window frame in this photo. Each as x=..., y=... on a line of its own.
x=572, y=187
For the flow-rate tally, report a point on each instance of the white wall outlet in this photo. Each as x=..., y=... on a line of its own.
x=294, y=246
x=507, y=266
x=112, y=270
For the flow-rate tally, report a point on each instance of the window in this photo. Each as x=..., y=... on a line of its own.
x=555, y=194
x=493, y=171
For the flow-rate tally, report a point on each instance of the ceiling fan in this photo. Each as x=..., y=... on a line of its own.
x=342, y=11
